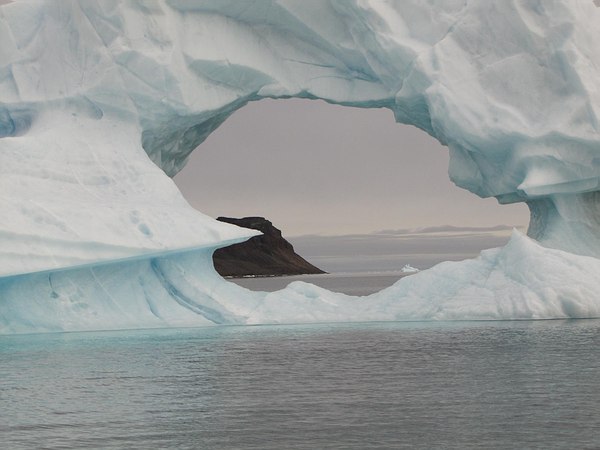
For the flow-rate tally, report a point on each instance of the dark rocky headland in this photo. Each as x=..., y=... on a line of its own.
x=266, y=255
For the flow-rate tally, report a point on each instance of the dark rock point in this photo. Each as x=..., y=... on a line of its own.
x=266, y=255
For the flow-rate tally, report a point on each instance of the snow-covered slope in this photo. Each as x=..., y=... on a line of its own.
x=96, y=97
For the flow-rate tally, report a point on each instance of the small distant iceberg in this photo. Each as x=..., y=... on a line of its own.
x=409, y=269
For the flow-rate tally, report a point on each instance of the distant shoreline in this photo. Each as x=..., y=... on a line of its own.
x=390, y=273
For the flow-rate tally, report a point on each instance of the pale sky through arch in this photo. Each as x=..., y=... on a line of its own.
x=315, y=168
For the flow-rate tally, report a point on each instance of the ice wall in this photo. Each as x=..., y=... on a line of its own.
x=92, y=93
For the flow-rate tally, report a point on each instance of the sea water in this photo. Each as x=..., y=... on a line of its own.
x=351, y=283
x=531, y=384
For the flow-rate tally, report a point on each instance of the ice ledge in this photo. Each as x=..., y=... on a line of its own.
x=521, y=281
x=78, y=189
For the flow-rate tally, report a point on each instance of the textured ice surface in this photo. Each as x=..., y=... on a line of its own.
x=92, y=93
x=523, y=280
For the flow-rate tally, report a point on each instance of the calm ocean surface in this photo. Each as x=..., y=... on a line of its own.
x=351, y=283
x=346, y=386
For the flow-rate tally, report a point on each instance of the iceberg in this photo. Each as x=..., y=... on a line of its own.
x=407, y=268
x=102, y=102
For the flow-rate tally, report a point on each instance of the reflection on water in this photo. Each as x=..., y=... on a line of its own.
x=350, y=386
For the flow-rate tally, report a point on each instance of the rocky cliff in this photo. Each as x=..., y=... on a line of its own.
x=266, y=255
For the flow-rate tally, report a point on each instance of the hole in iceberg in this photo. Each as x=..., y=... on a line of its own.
x=352, y=190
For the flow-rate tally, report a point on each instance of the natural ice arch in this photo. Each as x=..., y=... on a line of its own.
x=86, y=87
x=510, y=88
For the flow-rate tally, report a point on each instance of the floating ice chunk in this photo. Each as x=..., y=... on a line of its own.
x=409, y=269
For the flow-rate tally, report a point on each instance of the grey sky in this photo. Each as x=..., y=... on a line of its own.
x=315, y=168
